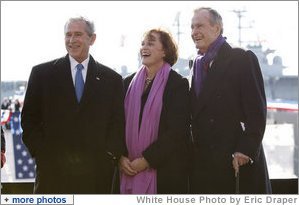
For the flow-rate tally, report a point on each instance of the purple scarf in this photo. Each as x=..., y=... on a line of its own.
x=138, y=139
x=202, y=62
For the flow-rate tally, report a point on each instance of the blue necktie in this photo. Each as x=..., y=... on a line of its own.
x=79, y=82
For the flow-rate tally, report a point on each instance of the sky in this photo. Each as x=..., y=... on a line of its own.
x=32, y=31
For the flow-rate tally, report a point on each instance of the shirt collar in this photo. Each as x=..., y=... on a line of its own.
x=74, y=63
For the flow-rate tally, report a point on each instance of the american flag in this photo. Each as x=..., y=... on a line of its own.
x=24, y=164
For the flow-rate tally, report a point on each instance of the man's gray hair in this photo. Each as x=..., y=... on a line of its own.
x=215, y=17
x=90, y=29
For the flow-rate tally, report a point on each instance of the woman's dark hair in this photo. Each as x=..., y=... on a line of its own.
x=168, y=43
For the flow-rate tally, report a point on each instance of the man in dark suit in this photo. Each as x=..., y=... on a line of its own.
x=228, y=113
x=74, y=135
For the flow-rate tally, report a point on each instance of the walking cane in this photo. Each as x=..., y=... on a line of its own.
x=237, y=186
x=237, y=179
x=115, y=169
x=113, y=179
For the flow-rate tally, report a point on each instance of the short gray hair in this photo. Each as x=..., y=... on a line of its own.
x=215, y=17
x=90, y=29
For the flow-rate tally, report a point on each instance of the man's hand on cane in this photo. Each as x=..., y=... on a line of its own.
x=240, y=159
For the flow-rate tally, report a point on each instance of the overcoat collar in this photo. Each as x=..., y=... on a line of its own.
x=211, y=84
x=63, y=77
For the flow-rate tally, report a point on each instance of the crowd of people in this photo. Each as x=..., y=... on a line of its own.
x=93, y=132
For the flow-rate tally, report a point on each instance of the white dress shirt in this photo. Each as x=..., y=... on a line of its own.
x=74, y=63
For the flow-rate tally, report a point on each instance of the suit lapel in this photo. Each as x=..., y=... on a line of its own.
x=211, y=84
x=63, y=79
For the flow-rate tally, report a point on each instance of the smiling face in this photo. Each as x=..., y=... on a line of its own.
x=77, y=40
x=203, y=32
x=152, y=52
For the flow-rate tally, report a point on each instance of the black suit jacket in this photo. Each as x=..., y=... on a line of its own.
x=169, y=154
x=70, y=140
x=233, y=92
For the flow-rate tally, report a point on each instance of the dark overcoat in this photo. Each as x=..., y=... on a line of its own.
x=229, y=116
x=169, y=154
x=70, y=140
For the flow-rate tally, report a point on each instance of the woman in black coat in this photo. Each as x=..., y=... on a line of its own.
x=157, y=122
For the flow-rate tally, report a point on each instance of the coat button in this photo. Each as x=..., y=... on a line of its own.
x=212, y=120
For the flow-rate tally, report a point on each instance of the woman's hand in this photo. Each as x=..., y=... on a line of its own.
x=139, y=164
x=126, y=167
